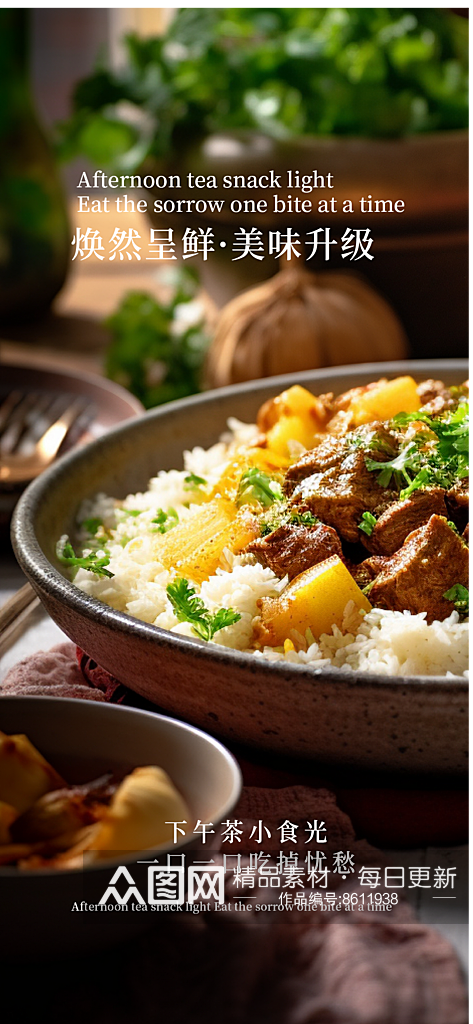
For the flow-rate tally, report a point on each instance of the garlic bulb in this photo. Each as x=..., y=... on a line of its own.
x=298, y=321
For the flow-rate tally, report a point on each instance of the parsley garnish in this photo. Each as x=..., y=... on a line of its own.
x=134, y=512
x=189, y=607
x=91, y=562
x=453, y=526
x=437, y=457
x=460, y=597
x=165, y=520
x=91, y=526
x=368, y=523
x=303, y=519
x=257, y=487
x=192, y=482
x=399, y=466
x=279, y=516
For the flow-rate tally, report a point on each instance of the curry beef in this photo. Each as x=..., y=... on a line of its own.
x=416, y=577
x=400, y=518
x=435, y=397
x=334, y=483
x=292, y=548
x=417, y=553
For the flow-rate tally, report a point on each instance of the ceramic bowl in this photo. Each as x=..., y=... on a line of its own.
x=364, y=720
x=82, y=740
x=110, y=404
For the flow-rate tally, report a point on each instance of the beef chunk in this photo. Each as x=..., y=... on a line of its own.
x=325, y=456
x=399, y=519
x=457, y=503
x=429, y=389
x=431, y=560
x=435, y=398
x=333, y=482
x=292, y=548
x=365, y=572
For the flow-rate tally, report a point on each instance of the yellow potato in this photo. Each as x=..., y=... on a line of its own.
x=297, y=401
x=290, y=428
x=295, y=414
x=315, y=600
x=385, y=400
x=24, y=773
x=271, y=462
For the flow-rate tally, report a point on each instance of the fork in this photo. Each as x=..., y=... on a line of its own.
x=30, y=441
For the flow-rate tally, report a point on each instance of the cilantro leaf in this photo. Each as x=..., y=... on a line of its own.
x=453, y=526
x=257, y=487
x=222, y=618
x=279, y=515
x=91, y=526
x=399, y=466
x=460, y=597
x=437, y=457
x=165, y=520
x=303, y=519
x=192, y=482
x=91, y=562
x=154, y=351
x=368, y=523
x=189, y=607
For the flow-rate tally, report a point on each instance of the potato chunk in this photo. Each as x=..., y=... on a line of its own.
x=24, y=773
x=290, y=428
x=385, y=400
x=294, y=415
x=315, y=600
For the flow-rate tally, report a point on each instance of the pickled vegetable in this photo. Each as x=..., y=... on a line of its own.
x=195, y=547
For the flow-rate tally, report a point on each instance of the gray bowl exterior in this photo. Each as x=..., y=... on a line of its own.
x=83, y=739
x=353, y=719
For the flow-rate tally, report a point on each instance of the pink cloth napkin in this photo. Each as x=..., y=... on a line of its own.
x=285, y=967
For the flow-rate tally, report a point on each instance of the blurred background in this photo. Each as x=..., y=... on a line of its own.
x=377, y=97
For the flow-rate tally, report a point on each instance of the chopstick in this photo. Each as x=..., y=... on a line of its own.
x=14, y=613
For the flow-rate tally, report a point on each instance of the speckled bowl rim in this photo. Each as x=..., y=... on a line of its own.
x=46, y=577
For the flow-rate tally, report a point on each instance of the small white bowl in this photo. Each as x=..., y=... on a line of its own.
x=82, y=740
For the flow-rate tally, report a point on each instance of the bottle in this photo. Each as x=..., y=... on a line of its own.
x=34, y=232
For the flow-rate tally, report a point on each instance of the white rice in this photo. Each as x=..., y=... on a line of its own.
x=388, y=643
